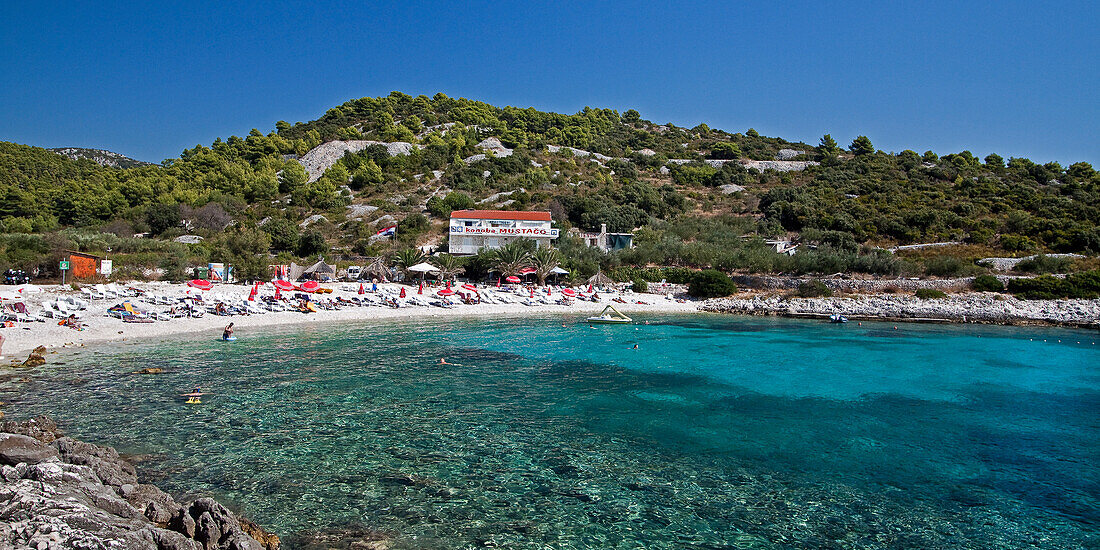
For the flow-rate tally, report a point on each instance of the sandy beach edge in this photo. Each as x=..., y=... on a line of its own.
x=101, y=329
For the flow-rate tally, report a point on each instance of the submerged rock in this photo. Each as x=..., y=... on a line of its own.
x=57, y=492
x=36, y=358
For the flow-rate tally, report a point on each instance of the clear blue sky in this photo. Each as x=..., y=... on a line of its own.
x=1016, y=78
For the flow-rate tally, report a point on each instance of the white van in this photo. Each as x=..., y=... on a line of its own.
x=354, y=271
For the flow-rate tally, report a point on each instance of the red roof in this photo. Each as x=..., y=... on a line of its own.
x=501, y=215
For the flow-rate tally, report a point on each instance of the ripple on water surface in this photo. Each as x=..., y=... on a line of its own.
x=716, y=432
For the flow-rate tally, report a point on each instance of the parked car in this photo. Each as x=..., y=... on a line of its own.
x=354, y=271
x=16, y=277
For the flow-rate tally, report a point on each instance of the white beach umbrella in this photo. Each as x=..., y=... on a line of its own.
x=28, y=289
x=423, y=267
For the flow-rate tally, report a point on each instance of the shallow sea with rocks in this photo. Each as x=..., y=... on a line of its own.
x=719, y=431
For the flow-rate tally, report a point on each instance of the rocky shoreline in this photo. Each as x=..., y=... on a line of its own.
x=58, y=493
x=960, y=308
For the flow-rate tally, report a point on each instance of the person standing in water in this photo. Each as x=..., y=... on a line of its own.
x=228, y=332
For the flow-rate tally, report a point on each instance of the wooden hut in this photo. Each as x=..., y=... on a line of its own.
x=82, y=265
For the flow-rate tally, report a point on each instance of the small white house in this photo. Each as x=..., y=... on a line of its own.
x=472, y=230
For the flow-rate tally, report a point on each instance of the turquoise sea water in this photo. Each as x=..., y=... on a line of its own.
x=717, y=432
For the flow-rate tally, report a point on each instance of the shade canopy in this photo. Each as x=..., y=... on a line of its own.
x=512, y=279
x=423, y=267
x=559, y=271
x=201, y=284
x=320, y=268
x=600, y=279
x=469, y=287
x=283, y=285
x=527, y=271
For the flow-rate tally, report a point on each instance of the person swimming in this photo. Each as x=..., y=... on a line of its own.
x=228, y=332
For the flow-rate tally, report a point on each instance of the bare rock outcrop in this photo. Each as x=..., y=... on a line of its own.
x=322, y=157
x=57, y=492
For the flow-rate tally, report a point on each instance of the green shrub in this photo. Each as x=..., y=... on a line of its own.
x=1045, y=287
x=674, y=275
x=814, y=289
x=987, y=283
x=1043, y=264
x=711, y=283
x=930, y=294
x=945, y=266
x=640, y=285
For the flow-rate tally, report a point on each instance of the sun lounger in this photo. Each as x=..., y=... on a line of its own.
x=112, y=287
x=92, y=294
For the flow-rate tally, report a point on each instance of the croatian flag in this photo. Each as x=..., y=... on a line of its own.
x=391, y=230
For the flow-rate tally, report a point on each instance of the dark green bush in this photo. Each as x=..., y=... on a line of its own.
x=711, y=283
x=930, y=294
x=1043, y=264
x=814, y=289
x=675, y=275
x=1045, y=287
x=640, y=285
x=987, y=283
x=945, y=266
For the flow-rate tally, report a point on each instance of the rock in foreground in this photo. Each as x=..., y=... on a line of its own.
x=57, y=492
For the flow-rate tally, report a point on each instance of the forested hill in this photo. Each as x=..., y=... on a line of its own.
x=695, y=197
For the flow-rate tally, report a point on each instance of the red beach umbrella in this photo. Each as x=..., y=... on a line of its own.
x=445, y=292
x=281, y=284
x=402, y=292
x=568, y=292
x=532, y=292
x=469, y=287
x=512, y=279
x=310, y=286
x=547, y=290
x=498, y=282
x=420, y=288
x=201, y=284
x=255, y=291
x=278, y=293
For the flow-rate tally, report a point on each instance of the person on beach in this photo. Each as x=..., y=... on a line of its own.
x=228, y=332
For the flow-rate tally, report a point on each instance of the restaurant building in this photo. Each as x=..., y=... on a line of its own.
x=473, y=230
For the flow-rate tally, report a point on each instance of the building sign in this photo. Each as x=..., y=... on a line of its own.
x=63, y=265
x=106, y=267
x=534, y=232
